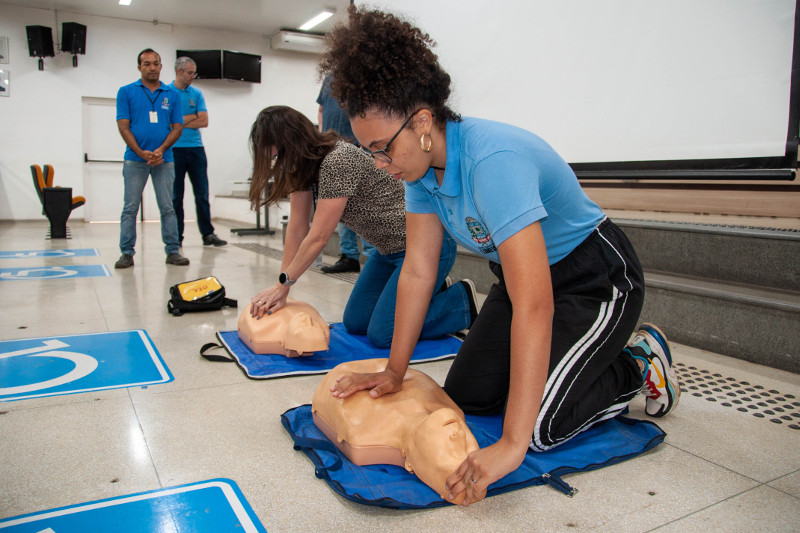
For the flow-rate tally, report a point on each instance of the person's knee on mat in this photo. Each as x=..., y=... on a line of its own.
x=380, y=336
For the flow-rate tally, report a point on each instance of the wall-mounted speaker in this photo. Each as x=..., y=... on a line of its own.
x=73, y=38
x=40, y=41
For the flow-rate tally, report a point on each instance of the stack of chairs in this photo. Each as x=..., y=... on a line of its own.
x=57, y=202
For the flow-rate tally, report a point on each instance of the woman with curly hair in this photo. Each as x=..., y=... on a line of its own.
x=549, y=348
x=323, y=174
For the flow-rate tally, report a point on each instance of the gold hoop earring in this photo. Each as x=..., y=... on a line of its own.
x=422, y=145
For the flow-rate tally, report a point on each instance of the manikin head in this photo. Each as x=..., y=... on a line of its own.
x=438, y=447
x=294, y=330
x=419, y=427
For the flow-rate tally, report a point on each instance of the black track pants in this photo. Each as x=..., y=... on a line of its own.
x=598, y=291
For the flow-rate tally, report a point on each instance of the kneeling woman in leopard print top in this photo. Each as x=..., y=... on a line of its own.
x=337, y=182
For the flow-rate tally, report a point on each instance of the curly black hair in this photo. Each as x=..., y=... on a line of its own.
x=382, y=63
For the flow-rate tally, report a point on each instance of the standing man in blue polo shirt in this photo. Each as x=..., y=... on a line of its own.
x=150, y=121
x=189, y=153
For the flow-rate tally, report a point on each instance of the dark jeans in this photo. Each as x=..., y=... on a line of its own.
x=370, y=308
x=598, y=291
x=194, y=161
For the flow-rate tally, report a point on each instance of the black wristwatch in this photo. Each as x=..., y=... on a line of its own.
x=283, y=279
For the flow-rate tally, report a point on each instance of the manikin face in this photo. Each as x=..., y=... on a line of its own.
x=150, y=67
x=303, y=335
x=439, y=446
x=375, y=130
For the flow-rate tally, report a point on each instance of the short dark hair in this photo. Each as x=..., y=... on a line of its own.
x=146, y=51
x=380, y=62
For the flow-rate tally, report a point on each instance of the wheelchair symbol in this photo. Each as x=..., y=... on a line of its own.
x=84, y=365
x=45, y=253
x=39, y=273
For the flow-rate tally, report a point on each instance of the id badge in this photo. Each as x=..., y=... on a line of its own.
x=153, y=117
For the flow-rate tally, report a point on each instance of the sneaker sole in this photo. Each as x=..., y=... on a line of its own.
x=672, y=398
x=660, y=338
x=673, y=386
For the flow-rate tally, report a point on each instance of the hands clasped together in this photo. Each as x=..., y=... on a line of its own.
x=154, y=158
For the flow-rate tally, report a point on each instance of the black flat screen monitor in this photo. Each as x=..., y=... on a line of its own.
x=241, y=66
x=209, y=62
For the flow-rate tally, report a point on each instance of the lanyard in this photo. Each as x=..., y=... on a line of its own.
x=152, y=100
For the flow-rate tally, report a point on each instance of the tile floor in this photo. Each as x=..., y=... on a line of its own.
x=718, y=469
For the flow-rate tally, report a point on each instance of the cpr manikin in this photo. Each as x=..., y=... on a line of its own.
x=419, y=427
x=294, y=330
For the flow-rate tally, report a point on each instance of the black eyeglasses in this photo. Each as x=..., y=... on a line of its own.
x=381, y=154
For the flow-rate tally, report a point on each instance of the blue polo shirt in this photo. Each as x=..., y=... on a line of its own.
x=333, y=116
x=192, y=102
x=498, y=180
x=135, y=102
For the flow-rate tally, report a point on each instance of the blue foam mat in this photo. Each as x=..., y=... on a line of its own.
x=343, y=347
x=390, y=486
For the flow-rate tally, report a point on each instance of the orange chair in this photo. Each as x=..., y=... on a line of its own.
x=57, y=202
x=49, y=171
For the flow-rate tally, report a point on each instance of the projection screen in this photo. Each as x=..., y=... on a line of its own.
x=626, y=84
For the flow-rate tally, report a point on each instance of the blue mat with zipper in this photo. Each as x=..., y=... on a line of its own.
x=390, y=486
x=343, y=346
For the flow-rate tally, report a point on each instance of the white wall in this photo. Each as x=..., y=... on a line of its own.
x=41, y=121
x=621, y=80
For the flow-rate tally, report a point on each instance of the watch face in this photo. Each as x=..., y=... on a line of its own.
x=283, y=278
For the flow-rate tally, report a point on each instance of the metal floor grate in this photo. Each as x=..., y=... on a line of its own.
x=742, y=395
x=260, y=249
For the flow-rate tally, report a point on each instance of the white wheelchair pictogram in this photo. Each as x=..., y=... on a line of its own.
x=84, y=365
x=39, y=273
x=42, y=253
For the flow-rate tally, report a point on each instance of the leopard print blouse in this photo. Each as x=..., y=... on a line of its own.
x=376, y=201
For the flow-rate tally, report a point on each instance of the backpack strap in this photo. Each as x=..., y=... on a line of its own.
x=172, y=309
x=230, y=302
x=217, y=358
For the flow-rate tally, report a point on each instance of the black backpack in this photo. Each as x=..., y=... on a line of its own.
x=204, y=294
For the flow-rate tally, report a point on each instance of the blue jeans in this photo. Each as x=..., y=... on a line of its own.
x=348, y=243
x=135, y=174
x=370, y=309
x=192, y=160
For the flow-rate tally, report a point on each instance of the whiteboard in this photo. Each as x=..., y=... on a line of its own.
x=621, y=80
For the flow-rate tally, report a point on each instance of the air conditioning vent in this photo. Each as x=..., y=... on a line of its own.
x=297, y=41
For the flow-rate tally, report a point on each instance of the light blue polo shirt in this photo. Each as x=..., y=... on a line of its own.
x=135, y=102
x=498, y=180
x=192, y=101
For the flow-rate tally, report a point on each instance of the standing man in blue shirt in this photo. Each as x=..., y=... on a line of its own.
x=150, y=121
x=189, y=153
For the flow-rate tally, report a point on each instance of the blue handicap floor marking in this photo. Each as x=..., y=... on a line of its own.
x=61, y=252
x=69, y=364
x=54, y=272
x=213, y=506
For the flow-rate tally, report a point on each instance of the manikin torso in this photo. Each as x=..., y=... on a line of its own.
x=294, y=330
x=419, y=428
